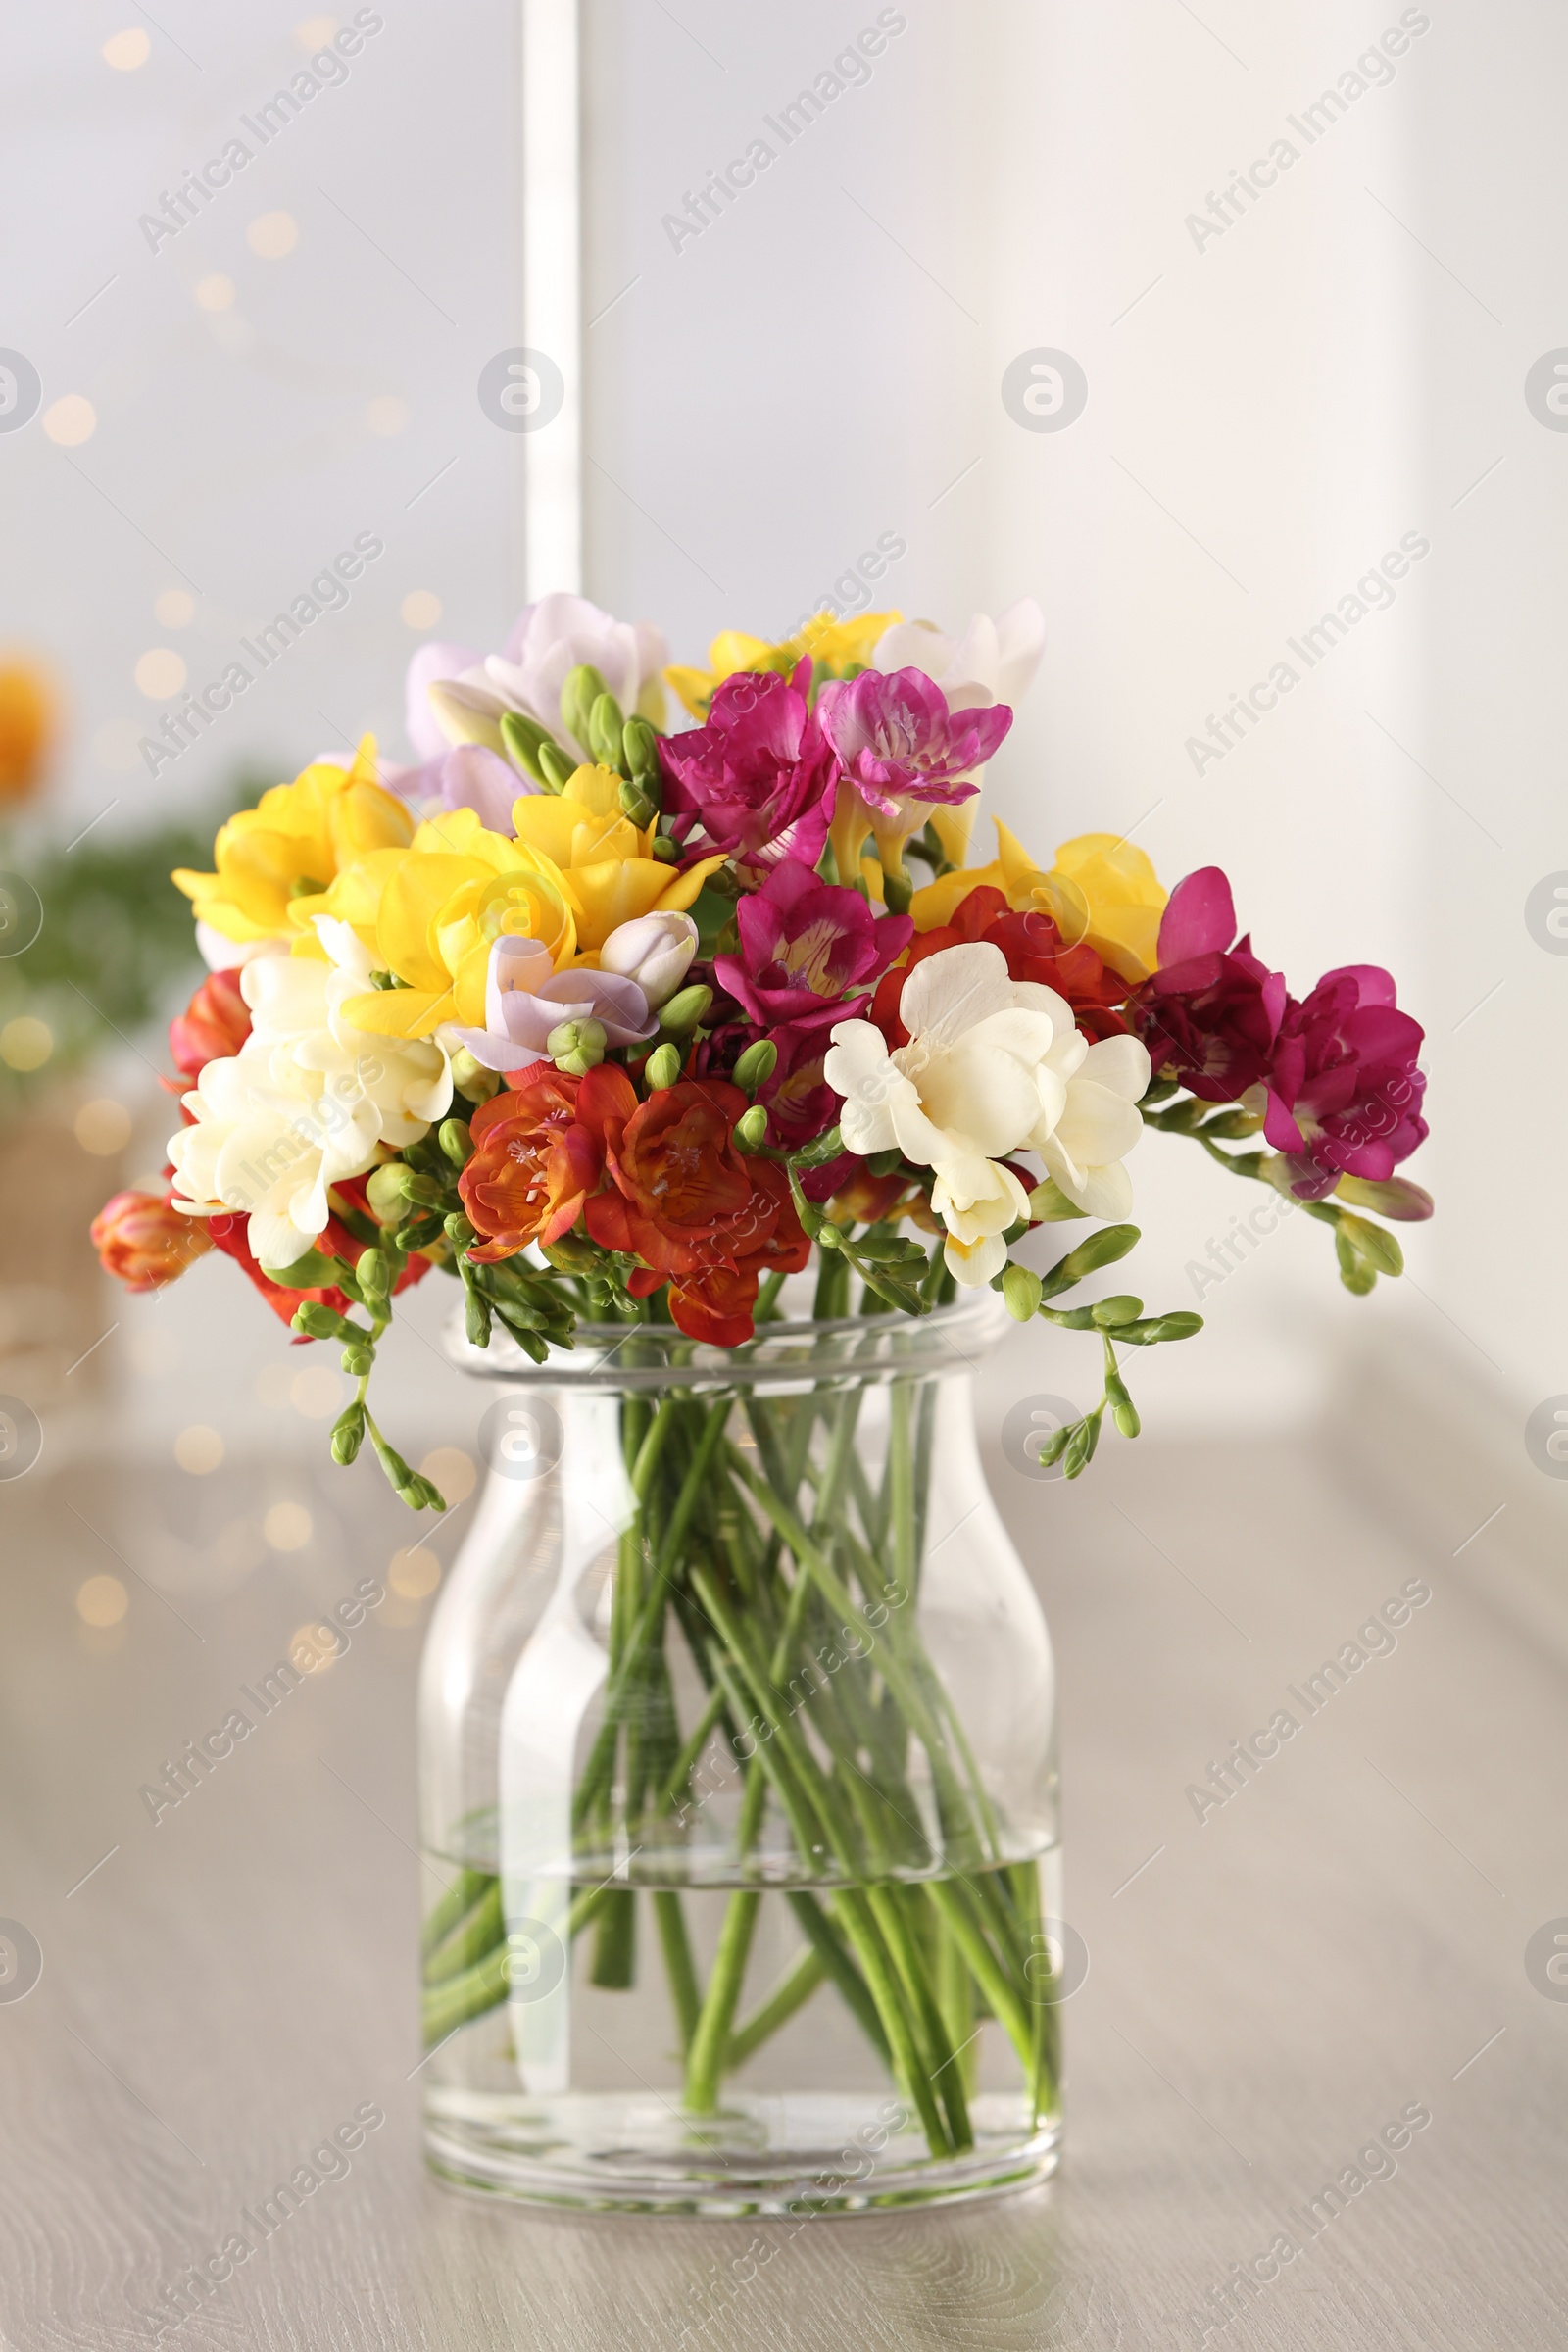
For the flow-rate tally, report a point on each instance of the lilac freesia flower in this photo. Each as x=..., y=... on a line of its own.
x=758, y=777
x=455, y=695
x=805, y=945
x=526, y=998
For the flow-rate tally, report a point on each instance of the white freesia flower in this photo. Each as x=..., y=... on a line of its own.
x=307, y=1102
x=992, y=1066
x=993, y=661
x=548, y=640
x=268, y=1140
x=297, y=1010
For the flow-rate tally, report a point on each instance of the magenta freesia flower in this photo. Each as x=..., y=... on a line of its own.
x=1211, y=1012
x=759, y=778
x=900, y=742
x=1344, y=1092
x=805, y=945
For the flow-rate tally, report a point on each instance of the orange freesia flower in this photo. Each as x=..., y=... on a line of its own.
x=532, y=1162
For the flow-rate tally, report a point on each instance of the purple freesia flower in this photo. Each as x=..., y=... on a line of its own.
x=759, y=777
x=1344, y=1092
x=1210, y=1013
x=900, y=742
x=526, y=998
x=805, y=945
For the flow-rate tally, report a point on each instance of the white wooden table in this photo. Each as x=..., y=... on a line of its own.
x=1341, y=1941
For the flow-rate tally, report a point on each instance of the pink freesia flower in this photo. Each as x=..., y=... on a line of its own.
x=806, y=944
x=1345, y=1092
x=759, y=778
x=1211, y=1012
x=907, y=753
x=526, y=998
x=900, y=742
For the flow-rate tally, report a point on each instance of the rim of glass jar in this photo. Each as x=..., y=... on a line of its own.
x=618, y=1356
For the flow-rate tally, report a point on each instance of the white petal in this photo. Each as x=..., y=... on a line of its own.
x=973, y=1265
x=954, y=990
x=1121, y=1063
x=984, y=1096
x=1097, y=1125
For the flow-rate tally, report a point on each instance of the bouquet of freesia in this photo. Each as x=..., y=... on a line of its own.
x=611, y=1023
x=622, y=1028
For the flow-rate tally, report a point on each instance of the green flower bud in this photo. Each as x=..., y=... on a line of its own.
x=1180, y=1326
x=555, y=769
x=476, y=1318
x=456, y=1141
x=521, y=740
x=348, y=1435
x=1102, y=1248
x=472, y=1080
x=357, y=1362
x=1374, y=1247
x=1125, y=1415
x=828, y=1237
x=1108, y=1312
x=458, y=1231
x=896, y=892
x=662, y=1068
x=685, y=1011
x=755, y=1066
x=373, y=1275
x=667, y=852
x=640, y=745
x=576, y=1047
x=1020, y=1293
x=751, y=1129
x=385, y=1192
x=604, y=730
x=636, y=805
x=1394, y=1196
x=580, y=690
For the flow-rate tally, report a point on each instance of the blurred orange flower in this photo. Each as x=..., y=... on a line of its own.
x=145, y=1241
x=28, y=726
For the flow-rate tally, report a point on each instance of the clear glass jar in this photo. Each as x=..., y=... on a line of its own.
x=738, y=1763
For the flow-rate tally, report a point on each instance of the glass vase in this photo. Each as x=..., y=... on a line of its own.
x=738, y=1773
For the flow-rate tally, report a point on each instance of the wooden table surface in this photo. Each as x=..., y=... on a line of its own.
x=1343, y=1941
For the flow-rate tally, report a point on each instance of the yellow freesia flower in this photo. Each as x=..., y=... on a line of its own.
x=294, y=842
x=600, y=858
x=430, y=915
x=1100, y=891
x=835, y=646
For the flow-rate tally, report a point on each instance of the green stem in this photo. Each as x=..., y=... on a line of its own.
x=679, y=1967
x=793, y=1991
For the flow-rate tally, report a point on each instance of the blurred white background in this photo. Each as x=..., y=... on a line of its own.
x=1270, y=408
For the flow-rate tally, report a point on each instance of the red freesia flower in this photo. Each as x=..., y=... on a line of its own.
x=213, y=1025
x=533, y=1163
x=144, y=1240
x=759, y=777
x=805, y=945
x=686, y=1202
x=1344, y=1092
x=1035, y=951
x=1211, y=1012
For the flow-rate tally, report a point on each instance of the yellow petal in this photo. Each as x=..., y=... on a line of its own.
x=940, y=901
x=693, y=687
x=411, y=906
x=401, y=1012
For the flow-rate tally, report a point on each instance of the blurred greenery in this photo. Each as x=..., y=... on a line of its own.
x=117, y=950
